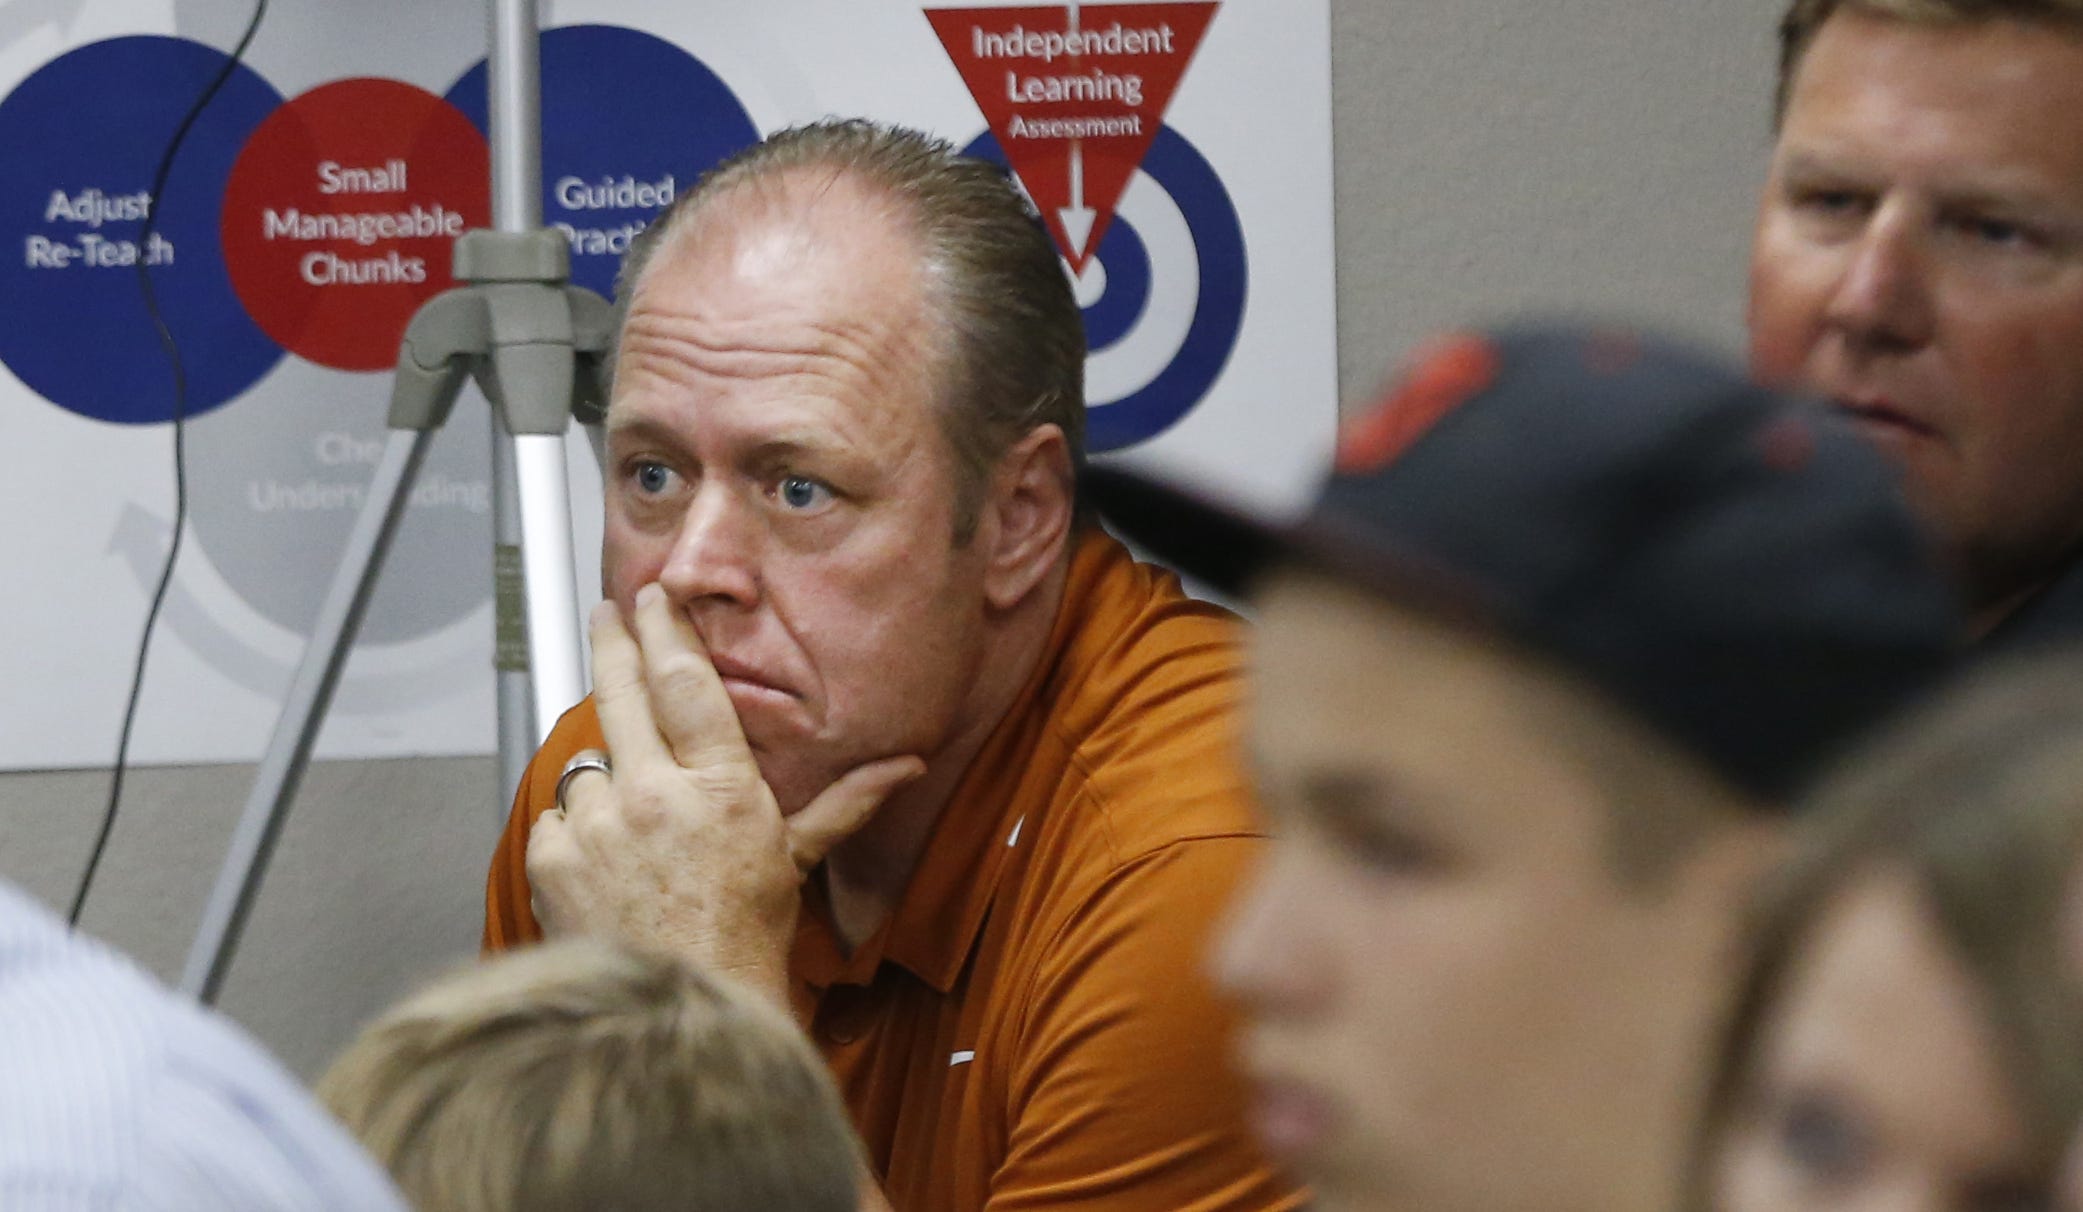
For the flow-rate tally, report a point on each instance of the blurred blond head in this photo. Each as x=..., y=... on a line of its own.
x=580, y=1075
x=1908, y=1034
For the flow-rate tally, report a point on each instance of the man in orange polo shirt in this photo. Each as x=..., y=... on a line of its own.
x=895, y=733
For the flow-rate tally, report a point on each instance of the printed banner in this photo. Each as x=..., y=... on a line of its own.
x=1178, y=152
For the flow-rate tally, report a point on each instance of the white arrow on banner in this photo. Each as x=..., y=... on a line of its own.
x=1077, y=217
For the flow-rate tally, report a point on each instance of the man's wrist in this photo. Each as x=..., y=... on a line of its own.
x=766, y=975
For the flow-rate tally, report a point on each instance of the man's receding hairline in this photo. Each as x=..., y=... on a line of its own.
x=775, y=196
x=753, y=198
x=2057, y=17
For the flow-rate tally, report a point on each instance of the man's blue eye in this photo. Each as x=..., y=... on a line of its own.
x=1994, y=232
x=1834, y=203
x=1997, y=231
x=653, y=477
x=801, y=492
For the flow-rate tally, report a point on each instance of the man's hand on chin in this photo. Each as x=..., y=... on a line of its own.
x=683, y=848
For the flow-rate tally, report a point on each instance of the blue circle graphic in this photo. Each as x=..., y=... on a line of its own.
x=1127, y=264
x=81, y=139
x=629, y=120
x=1218, y=311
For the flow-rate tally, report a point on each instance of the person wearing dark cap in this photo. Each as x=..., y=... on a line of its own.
x=1534, y=678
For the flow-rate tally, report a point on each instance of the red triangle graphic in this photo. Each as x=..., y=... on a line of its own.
x=1074, y=106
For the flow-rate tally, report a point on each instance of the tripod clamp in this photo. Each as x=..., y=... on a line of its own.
x=519, y=327
x=537, y=345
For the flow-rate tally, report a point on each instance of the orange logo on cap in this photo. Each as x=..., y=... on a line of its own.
x=1444, y=372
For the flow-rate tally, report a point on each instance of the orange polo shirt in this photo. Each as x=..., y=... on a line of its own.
x=1032, y=1028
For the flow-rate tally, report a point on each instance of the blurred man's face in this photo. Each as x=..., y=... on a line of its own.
x=1919, y=259
x=1454, y=1004
x=1875, y=1084
x=776, y=464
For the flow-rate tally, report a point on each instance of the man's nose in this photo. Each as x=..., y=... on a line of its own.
x=1882, y=300
x=1265, y=955
x=715, y=555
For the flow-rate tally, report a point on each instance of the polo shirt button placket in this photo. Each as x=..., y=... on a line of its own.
x=843, y=1018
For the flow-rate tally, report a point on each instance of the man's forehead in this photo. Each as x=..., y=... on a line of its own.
x=1978, y=114
x=823, y=266
x=788, y=279
x=639, y=422
x=803, y=386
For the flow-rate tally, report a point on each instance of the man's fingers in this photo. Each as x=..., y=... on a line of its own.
x=620, y=694
x=551, y=851
x=845, y=806
x=583, y=782
x=692, y=709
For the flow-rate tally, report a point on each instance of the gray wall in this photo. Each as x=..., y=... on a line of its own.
x=1498, y=157
x=1594, y=157
x=377, y=882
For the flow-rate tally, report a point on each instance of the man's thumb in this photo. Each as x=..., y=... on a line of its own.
x=845, y=806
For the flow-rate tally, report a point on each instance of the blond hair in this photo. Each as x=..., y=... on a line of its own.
x=1012, y=339
x=1978, y=799
x=1804, y=19
x=581, y=1075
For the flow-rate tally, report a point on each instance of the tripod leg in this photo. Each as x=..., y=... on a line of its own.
x=549, y=573
x=596, y=438
x=518, y=736
x=303, y=711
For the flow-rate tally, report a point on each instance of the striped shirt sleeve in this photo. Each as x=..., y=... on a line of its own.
x=117, y=1095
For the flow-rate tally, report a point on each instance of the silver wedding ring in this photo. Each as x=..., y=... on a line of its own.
x=584, y=759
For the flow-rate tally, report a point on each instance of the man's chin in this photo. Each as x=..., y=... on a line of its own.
x=1928, y=471
x=787, y=750
x=794, y=787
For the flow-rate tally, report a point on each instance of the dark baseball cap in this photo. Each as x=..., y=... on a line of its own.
x=1735, y=566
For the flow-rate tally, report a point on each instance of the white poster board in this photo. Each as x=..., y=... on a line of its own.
x=1180, y=153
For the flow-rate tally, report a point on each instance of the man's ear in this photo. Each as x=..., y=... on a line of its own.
x=1027, y=516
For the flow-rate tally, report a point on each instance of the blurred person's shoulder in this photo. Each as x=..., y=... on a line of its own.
x=117, y=1092
x=2054, y=615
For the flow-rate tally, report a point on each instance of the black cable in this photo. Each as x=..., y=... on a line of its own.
x=180, y=414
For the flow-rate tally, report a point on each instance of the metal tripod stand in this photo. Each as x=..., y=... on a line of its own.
x=535, y=344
